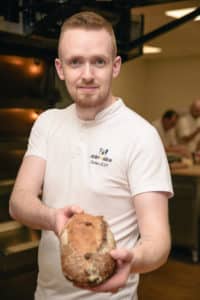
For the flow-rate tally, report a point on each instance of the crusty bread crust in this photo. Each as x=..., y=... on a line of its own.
x=85, y=244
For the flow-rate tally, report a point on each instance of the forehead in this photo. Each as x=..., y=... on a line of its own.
x=197, y=106
x=85, y=42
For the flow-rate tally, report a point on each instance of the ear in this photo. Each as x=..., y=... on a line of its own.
x=116, y=66
x=59, y=68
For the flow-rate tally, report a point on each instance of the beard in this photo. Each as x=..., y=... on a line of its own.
x=90, y=100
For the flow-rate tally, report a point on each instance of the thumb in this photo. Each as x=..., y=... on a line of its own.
x=122, y=254
x=73, y=209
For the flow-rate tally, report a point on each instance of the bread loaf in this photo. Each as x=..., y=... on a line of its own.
x=85, y=243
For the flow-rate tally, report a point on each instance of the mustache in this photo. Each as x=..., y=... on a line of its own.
x=88, y=86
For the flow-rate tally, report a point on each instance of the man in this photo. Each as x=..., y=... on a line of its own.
x=98, y=156
x=188, y=127
x=166, y=128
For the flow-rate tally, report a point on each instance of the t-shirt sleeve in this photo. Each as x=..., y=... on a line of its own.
x=148, y=169
x=37, y=143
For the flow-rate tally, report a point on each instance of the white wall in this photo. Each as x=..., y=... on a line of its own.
x=171, y=83
x=130, y=85
x=154, y=85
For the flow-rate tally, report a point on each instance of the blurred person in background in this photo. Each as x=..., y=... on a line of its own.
x=166, y=127
x=188, y=127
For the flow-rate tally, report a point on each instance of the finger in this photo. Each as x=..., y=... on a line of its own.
x=71, y=210
x=123, y=255
x=76, y=209
x=114, y=291
x=112, y=284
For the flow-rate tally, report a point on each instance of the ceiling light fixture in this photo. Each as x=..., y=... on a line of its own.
x=179, y=13
x=151, y=50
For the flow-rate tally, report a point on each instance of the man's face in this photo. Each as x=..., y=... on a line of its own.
x=195, y=109
x=170, y=123
x=87, y=65
x=173, y=122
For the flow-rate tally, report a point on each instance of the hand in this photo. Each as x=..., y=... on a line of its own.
x=62, y=216
x=124, y=260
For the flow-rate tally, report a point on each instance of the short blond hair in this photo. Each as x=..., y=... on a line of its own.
x=90, y=21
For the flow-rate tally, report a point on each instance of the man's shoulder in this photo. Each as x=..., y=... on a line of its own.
x=185, y=117
x=56, y=113
x=136, y=126
x=53, y=119
x=136, y=119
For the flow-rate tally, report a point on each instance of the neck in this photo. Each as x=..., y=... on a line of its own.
x=89, y=113
x=164, y=126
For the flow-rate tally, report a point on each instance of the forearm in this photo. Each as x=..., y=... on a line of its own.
x=153, y=248
x=29, y=210
x=188, y=138
x=179, y=149
x=150, y=253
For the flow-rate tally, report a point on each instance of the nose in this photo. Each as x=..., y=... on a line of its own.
x=87, y=72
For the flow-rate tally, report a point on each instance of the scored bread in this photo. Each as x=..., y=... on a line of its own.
x=85, y=243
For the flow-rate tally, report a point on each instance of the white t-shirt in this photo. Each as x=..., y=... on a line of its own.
x=99, y=165
x=168, y=137
x=186, y=126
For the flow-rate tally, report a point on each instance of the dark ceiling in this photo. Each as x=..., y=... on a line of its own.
x=41, y=21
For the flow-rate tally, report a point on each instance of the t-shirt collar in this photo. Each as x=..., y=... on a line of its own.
x=105, y=113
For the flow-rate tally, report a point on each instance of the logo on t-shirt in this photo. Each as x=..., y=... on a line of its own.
x=101, y=159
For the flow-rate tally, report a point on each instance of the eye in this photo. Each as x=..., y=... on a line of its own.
x=100, y=62
x=75, y=62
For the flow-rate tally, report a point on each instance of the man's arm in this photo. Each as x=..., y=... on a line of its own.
x=184, y=132
x=153, y=247
x=25, y=204
x=189, y=137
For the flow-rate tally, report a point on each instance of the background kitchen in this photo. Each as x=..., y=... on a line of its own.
x=161, y=63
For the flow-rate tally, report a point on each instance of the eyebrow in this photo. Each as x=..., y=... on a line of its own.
x=95, y=56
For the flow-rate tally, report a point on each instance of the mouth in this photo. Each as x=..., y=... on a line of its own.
x=87, y=89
